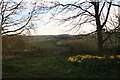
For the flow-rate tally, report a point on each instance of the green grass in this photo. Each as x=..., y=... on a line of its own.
x=45, y=43
x=53, y=66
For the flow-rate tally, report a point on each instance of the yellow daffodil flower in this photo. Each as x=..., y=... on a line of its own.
x=79, y=58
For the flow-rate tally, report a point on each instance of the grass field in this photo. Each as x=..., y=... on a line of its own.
x=49, y=65
x=45, y=43
x=55, y=66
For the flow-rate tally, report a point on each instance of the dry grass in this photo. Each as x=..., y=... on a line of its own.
x=81, y=44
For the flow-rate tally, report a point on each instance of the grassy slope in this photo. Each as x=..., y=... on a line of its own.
x=53, y=65
x=38, y=41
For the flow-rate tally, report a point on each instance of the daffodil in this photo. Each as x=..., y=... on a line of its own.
x=112, y=57
x=118, y=56
x=79, y=58
x=100, y=57
x=79, y=61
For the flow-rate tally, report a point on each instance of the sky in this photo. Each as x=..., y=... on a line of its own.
x=56, y=30
x=51, y=28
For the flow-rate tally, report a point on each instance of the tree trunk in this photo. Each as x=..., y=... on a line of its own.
x=100, y=41
x=0, y=49
x=99, y=36
x=99, y=28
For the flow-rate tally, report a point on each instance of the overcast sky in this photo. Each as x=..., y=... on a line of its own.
x=53, y=29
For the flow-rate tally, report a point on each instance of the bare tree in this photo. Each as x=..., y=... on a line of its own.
x=16, y=16
x=79, y=13
x=114, y=34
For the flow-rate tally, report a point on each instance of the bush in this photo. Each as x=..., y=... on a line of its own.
x=13, y=43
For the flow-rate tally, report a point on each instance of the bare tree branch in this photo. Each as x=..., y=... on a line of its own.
x=114, y=4
x=102, y=8
x=11, y=17
x=107, y=15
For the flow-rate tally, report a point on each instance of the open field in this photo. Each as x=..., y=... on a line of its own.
x=49, y=59
x=56, y=66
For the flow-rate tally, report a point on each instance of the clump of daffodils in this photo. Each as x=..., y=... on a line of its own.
x=80, y=58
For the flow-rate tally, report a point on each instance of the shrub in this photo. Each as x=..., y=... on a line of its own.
x=13, y=43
